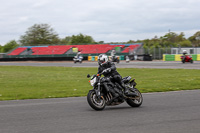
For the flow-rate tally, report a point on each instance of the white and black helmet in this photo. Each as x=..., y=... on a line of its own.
x=184, y=51
x=102, y=59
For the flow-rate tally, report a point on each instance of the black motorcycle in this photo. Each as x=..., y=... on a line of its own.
x=104, y=92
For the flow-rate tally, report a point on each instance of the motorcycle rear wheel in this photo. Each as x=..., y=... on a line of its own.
x=94, y=102
x=137, y=101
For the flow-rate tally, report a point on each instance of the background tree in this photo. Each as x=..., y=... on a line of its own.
x=66, y=40
x=1, y=49
x=185, y=43
x=195, y=39
x=39, y=34
x=100, y=42
x=169, y=39
x=180, y=37
x=82, y=39
x=131, y=41
x=9, y=46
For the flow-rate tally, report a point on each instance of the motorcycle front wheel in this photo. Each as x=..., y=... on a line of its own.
x=135, y=101
x=95, y=102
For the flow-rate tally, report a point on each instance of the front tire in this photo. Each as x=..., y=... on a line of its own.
x=135, y=101
x=94, y=102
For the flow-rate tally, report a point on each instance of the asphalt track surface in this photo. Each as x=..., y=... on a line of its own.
x=169, y=112
x=122, y=64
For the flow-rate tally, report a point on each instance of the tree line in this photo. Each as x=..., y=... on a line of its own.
x=43, y=34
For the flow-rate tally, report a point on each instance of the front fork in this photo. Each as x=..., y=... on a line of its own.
x=97, y=91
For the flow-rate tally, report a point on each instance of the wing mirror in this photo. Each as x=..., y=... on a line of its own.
x=88, y=76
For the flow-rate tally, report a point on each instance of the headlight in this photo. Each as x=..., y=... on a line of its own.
x=93, y=81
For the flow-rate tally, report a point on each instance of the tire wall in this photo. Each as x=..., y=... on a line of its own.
x=95, y=58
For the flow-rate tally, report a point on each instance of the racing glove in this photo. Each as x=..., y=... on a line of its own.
x=106, y=70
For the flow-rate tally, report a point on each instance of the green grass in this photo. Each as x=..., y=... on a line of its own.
x=25, y=82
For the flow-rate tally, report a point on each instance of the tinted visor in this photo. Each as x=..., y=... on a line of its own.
x=101, y=61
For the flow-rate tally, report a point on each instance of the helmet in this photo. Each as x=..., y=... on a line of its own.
x=184, y=51
x=102, y=59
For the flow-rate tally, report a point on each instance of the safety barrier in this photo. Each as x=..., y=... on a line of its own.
x=95, y=58
x=198, y=57
x=177, y=57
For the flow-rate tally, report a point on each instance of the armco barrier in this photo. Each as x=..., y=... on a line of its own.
x=198, y=57
x=40, y=59
x=169, y=57
x=177, y=57
x=164, y=57
x=122, y=57
x=95, y=58
x=194, y=57
x=89, y=58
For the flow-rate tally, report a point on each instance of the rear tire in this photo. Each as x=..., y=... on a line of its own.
x=94, y=102
x=191, y=61
x=137, y=101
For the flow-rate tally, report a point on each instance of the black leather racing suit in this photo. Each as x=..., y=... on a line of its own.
x=112, y=72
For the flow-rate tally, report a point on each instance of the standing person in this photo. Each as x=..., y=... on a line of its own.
x=184, y=54
x=113, y=55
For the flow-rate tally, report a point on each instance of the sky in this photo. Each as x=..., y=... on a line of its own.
x=103, y=20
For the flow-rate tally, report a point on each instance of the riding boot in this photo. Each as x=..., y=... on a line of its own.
x=128, y=93
x=132, y=94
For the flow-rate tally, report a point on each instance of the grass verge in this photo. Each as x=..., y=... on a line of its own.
x=26, y=82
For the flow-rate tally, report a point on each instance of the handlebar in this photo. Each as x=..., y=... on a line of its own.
x=99, y=74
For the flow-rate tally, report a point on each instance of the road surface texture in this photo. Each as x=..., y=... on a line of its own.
x=122, y=64
x=169, y=112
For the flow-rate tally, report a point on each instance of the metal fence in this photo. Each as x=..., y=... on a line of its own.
x=156, y=53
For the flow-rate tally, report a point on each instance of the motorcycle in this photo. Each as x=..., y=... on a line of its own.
x=127, y=59
x=78, y=59
x=103, y=91
x=186, y=58
x=115, y=59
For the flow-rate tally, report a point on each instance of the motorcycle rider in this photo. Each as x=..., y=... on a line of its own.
x=184, y=54
x=78, y=54
x=108, y=69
